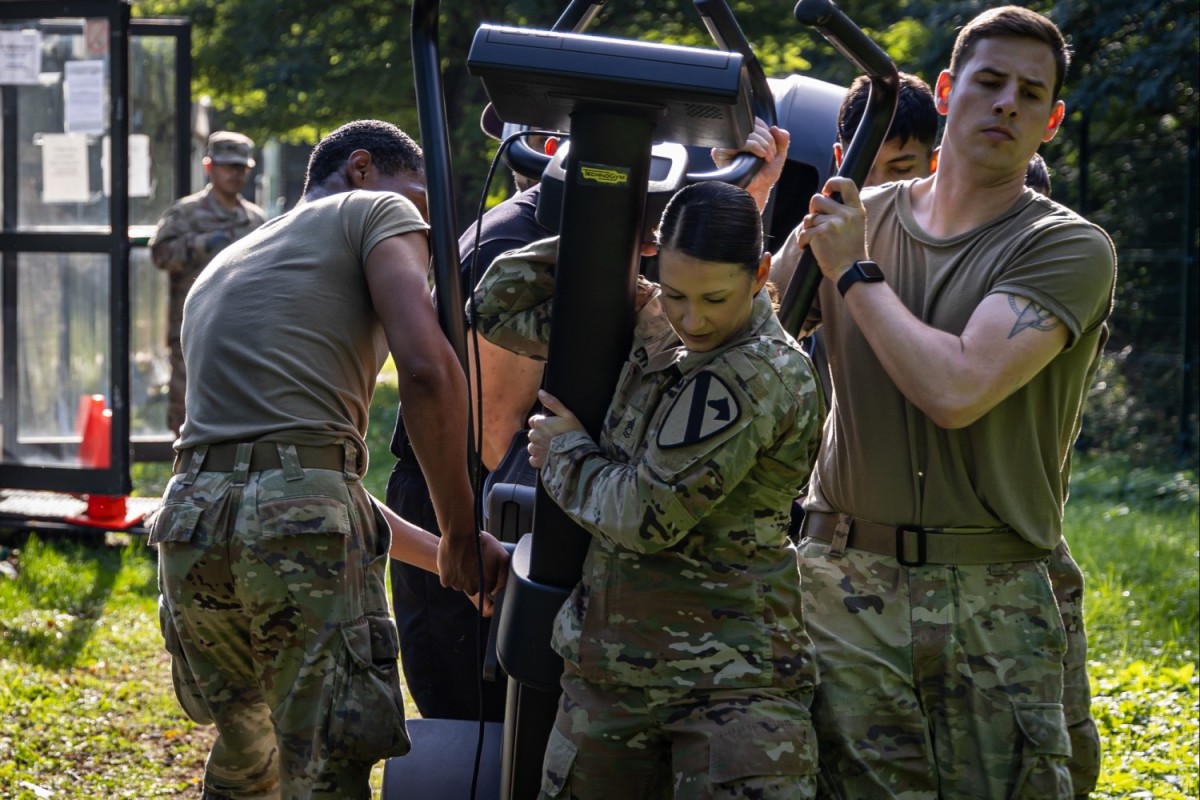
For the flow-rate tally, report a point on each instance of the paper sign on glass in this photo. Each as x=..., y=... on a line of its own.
x=65, y=168
x=20, y=57
x=84, y=97
x=139, y=165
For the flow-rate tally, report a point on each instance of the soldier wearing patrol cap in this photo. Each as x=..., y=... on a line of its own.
x=688, y=670
x=195, y=229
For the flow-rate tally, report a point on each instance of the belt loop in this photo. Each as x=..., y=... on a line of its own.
x=349, y=460
x=841, y=535
x=195, y=464
x=241, y=463
x=289, y=460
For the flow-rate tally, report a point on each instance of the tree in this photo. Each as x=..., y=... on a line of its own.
x=1126, y=157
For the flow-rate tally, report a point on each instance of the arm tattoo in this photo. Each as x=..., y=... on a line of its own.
x=1030, y=315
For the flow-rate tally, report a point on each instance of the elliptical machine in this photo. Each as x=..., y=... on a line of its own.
x=639, y=119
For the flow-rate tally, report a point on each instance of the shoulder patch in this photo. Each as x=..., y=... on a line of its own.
x=705, y=407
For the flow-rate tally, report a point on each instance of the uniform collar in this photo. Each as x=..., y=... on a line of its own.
x=761, y=322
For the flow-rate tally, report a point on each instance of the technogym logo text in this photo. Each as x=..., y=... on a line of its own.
x=605, y=176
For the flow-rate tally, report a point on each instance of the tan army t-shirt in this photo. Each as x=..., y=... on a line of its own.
x=884, y=460
x=280, y=337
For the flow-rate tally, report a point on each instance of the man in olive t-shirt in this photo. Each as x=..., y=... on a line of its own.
x=272, y=556
x=964, y=315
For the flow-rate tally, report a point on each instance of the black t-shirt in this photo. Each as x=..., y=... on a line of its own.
x=507, y=226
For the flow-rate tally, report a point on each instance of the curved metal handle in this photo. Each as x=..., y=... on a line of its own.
x=858, y=48
x=435, y=139
x=523, y=159
x=726, y=32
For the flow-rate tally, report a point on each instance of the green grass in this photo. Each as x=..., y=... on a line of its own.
x=1136, y=534
x=87, y=710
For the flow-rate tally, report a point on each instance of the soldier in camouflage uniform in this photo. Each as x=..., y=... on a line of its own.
x=688, y=670
x=193, y=230
x=908, y=152
x=960, y=363
x=272, y=556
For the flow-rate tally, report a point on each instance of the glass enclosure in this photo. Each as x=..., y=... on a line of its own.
x=90, y=158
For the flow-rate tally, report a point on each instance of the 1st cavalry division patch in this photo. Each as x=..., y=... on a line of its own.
x=705, y=407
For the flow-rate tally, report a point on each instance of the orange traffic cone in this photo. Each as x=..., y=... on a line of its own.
x=95, y=432
x=95, y=452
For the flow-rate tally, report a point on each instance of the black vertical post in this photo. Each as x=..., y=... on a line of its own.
x=608, y=168
x=119, y=251
x=10, y=387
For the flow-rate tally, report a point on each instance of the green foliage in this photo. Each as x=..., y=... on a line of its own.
x=1149, y=711
x=1133, y=531
x=379, y=437
x=84, y=711
x=1132, y=410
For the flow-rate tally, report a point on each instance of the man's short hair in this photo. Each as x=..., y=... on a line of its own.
x=392, y=150
x=1017, y=22
x=916, y=113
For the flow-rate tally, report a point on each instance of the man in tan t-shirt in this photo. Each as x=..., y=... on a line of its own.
x=909, y=152
x=272, y=556
x=960, y=357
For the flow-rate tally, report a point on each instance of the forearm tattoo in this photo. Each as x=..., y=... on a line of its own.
x=1030, y=315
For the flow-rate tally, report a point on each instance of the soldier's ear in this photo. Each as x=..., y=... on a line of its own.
x=942, y=90
x=358, y=165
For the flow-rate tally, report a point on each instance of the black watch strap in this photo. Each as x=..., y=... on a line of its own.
x=867, y=271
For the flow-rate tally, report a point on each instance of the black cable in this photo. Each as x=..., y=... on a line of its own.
x=477, y=436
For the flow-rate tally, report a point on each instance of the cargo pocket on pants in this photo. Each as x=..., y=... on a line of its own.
x=771, y=759
x=366, y=717
x=172, y=530
x=556, y=769
x=1045, y=750
x=187, y=690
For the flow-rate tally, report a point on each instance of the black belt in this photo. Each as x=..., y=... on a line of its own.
x=913, y=545
x=263, y=455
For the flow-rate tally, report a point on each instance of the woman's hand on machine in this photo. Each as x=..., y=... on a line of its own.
x=544, y=427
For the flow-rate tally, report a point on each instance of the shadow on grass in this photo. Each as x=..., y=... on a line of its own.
x=49, y=613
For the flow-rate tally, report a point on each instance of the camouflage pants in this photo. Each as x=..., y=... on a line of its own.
x=936, y=681
x=644, y=743
x=276, y=617
x=1067, y=580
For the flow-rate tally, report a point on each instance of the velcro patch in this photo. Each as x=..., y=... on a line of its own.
x=705, y=407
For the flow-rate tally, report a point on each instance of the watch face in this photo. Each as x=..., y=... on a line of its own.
x=870, y=270
x=866, y=271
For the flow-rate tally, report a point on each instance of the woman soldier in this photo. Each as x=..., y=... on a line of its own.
x=688, y=672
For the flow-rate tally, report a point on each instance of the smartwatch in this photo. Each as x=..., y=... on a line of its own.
x=867, y=271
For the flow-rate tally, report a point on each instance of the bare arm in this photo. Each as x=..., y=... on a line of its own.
x=509, y=385
x=410, y=543
x=955, y=380
x=768, y=143
x=417, y=546
x=433, y=395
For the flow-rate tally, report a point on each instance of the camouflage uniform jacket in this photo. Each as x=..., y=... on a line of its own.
x=180, y=244
x=690, y=580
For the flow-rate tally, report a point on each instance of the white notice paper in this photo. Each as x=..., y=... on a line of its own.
x=20, y=56
x=84, y=97
x=139, y=165
x=65, y=168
